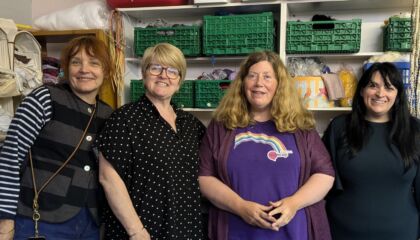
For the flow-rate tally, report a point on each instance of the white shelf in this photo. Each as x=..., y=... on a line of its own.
x=297, y=6
x=360, y=55
x=198, y=109
x=334, y=109
x=200, y=10
x=133, y=60
x=200, y=59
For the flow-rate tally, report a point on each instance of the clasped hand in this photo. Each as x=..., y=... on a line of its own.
x=274, y=216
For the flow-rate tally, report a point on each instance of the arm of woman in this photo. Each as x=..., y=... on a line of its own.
x=119, y=200
x=31, y=115
x=223, y=197
x=319, y=181
x=311, y=192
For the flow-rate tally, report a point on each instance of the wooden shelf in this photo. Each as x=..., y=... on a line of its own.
x=63, y=36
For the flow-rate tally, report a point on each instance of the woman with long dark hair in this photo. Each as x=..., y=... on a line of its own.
x=375, y=151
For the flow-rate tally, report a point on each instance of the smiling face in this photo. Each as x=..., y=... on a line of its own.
x=260, y=85
x=378, y=99
x=161, y=86
x=86, y=75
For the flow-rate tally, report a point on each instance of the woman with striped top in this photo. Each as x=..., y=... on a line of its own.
x=48, y=126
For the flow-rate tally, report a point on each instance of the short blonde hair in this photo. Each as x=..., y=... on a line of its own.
x=287, y=110
x=166, y=54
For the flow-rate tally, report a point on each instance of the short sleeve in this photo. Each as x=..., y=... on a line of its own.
x=114, y=142
x=320, y=158
x=207, y=164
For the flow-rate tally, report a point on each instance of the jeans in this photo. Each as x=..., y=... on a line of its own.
x=81, y=226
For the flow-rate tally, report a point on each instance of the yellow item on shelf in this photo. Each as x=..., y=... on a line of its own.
x=349, y=81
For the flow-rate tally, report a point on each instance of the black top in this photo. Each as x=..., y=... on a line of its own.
x=159, y=168
x=376, y=199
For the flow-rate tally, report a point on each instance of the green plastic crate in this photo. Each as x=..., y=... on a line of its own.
x=208, y=93
x=186, y=38
x=341, y=36
x=184, y=98
x=398, y=35
x=238, y=34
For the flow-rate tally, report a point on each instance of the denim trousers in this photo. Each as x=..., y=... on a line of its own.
x=81, y=226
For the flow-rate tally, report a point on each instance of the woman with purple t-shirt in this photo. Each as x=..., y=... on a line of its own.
x=263, y=166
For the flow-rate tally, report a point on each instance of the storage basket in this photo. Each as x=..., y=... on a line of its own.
x=398, y=34
x=186, y=38
x=208, y=93
x=323, y=36
x=238, y=34
x=184, y=98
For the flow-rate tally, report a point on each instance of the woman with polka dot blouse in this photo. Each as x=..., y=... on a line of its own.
x=149, y=158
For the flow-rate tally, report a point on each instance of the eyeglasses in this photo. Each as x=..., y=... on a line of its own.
x=157, y=69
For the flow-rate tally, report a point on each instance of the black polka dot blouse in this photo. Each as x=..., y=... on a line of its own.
x=159, y=168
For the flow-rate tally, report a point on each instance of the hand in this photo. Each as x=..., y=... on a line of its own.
x=7, y=229
x=143, y=234
x=287, y=208
x=256, y=214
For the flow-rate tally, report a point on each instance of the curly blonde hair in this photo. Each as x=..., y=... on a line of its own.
x=287, y=110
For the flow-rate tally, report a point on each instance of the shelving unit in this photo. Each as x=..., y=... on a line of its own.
x=372, y=12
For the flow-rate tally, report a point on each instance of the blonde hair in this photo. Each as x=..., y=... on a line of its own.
x=287, y=110
x=166, y=54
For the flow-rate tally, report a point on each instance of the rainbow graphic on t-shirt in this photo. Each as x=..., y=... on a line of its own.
x=279, y=149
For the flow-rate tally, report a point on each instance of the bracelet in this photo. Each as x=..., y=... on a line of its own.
x=2, y=233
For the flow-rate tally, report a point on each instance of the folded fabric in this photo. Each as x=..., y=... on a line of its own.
x=334, y=86
x=47, y=66
x=53, y=72
x=51, y=61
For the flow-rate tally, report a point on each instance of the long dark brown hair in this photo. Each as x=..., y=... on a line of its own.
x=405, y=132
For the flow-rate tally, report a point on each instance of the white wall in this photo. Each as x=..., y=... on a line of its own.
x=43, y=7
x=19, y=11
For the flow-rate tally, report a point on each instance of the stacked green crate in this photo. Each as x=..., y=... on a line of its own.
x=398, y=34
x=238, y=34
x=186, y=38
x=208, y=93
x=184, y=98
x=341, y=36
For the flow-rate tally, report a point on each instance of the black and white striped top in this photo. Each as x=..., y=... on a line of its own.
x=31, y=116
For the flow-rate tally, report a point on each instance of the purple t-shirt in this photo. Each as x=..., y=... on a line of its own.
x=263, y=166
